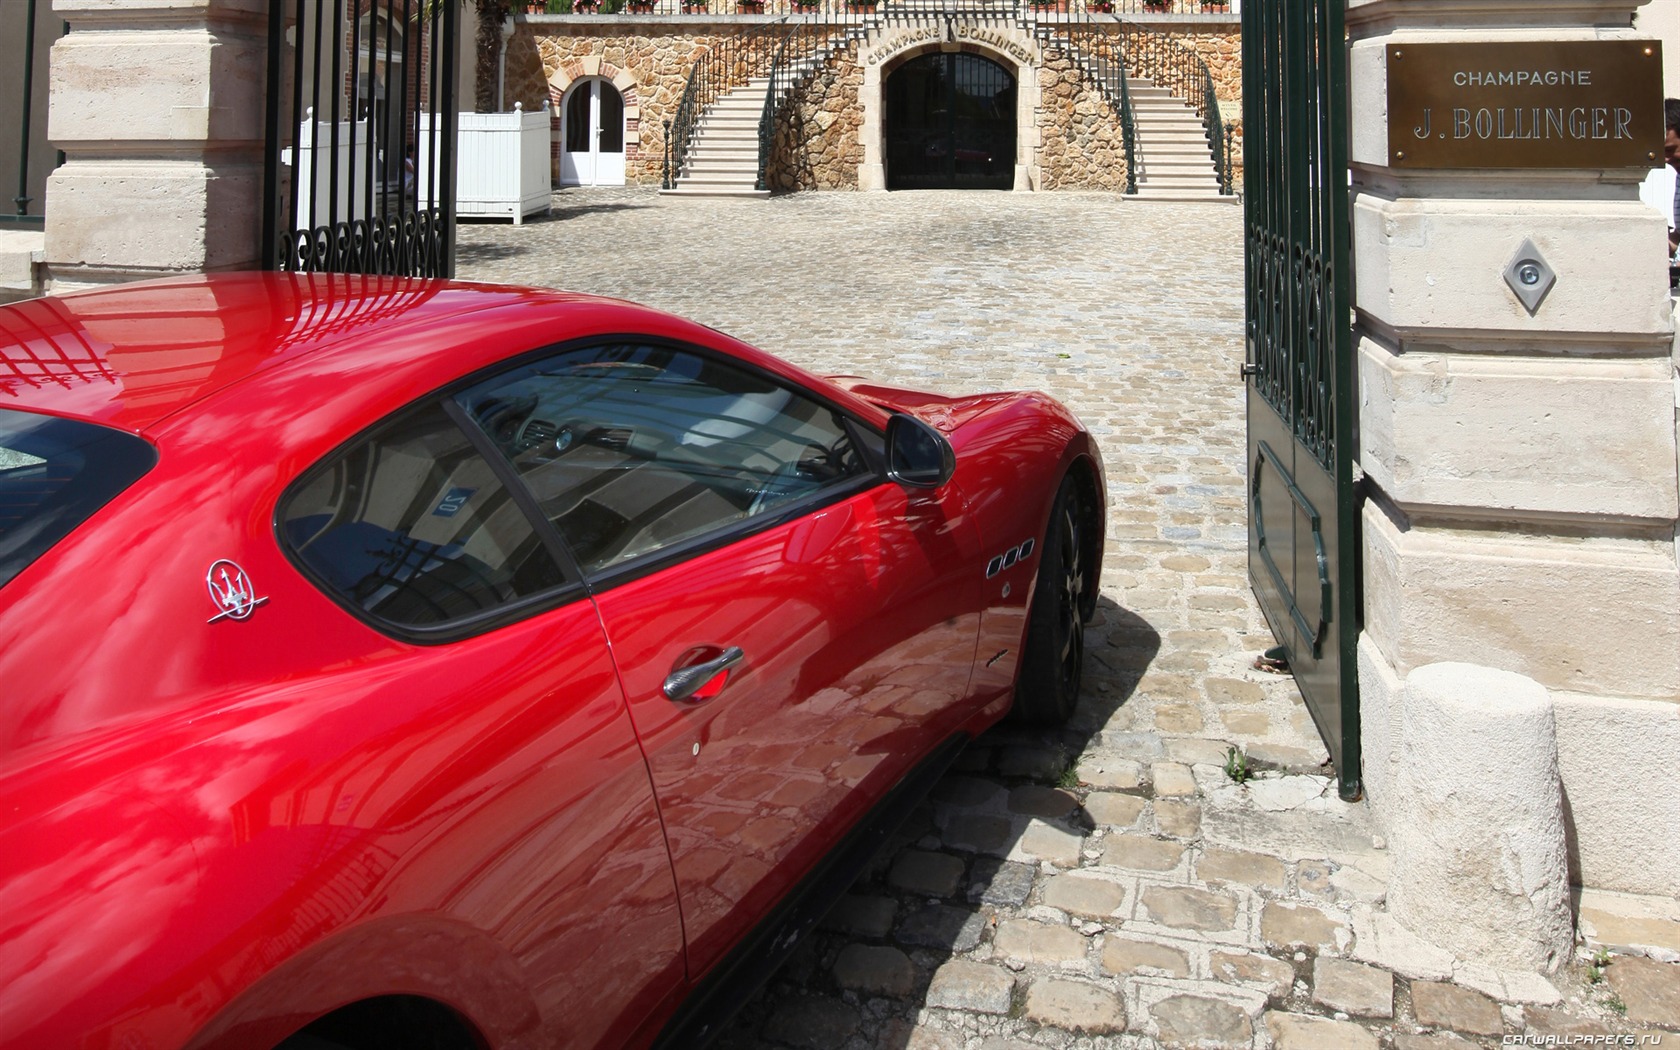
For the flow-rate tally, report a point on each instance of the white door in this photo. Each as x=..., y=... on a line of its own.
x=592, y=136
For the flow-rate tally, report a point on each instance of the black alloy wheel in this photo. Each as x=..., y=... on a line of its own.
x=1054, y=662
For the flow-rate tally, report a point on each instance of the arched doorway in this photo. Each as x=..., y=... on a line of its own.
x=592, y=135
x=950, y=123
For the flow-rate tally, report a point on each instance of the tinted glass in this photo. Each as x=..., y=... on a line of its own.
x=630, y=448
x=612, y=119
x=412, y=526
x=54, y=473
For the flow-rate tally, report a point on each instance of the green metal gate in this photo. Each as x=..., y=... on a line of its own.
x=1303, y=533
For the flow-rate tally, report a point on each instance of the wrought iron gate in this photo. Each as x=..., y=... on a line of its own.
x=360, y=170
x=950, y=124
x=1303, y=534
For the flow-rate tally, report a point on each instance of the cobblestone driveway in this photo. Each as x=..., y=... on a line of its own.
x=1107, y=886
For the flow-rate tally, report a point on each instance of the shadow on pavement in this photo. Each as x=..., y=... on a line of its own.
x=935, y=891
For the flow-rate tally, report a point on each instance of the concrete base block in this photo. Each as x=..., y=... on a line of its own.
x=1477, y=838
x=138, y=219
x=1435, y=265
x=1623, y=812
x=1379, y=729
x=21, y=255
x=1583, y=436
x=1599, y=615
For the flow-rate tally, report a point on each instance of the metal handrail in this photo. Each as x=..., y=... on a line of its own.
x=724, y=66
x=1185, y=73
x=804, y=43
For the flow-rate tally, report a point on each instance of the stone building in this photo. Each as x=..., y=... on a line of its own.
x=1026, y=86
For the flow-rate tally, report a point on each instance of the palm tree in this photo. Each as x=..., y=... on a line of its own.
x=490, y=15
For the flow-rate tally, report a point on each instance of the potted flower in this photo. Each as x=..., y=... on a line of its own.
x=1047, y=5
x=694, y=7
x=586, y=7
x=860, y=6
x=1157, y=5
x=1210, y=6
x=536, y=7
x=806, y=7
x=749, y=7
x=1100, y=7
x=639, y=7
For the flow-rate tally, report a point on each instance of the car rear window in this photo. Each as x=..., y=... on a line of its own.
x=54, y=473
x=413, y=528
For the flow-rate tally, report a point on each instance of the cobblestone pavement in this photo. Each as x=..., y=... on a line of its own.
x=1106, y=886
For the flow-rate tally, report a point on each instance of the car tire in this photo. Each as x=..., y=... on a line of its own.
x=1053, y=662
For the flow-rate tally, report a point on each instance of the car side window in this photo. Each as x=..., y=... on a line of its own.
x=411, y=526
x=631, y=448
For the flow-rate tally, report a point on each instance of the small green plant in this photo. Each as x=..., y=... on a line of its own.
x=1615, y=1003
x=1596, y=968
x=1069, y=778
x=1236, y=766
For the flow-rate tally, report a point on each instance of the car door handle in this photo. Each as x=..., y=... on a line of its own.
x=696, y=683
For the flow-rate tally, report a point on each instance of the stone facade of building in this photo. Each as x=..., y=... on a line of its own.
x=1081, y=144
x=1071, y=135
x=818, y=145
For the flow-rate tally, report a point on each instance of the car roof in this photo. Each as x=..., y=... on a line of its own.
x=132, y=355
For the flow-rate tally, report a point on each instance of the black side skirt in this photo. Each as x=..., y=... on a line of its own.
x=752, y=962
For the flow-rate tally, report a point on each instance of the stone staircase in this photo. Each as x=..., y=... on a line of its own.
x=723, y=158
x=1172, y=148
x=1171, y=140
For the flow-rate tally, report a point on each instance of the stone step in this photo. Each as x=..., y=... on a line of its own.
x=739, y=136
x=22, y=254
x=711, y=151
x=737, y=106
x=1173, y=132
x=701, y=170
x=1175, y=137
x=1202, y=196
x=710, y=190
x=1179, y=168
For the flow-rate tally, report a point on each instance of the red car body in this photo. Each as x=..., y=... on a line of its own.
x=220, y=830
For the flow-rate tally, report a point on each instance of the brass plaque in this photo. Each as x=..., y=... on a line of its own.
x=1530, y=104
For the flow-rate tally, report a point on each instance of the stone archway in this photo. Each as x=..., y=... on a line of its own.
x=1009, y=48
x=950, y=122
x=592, y=67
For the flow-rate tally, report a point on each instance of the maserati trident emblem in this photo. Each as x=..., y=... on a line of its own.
x=231, y=590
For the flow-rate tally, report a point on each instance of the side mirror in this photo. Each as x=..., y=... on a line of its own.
x=918, y=456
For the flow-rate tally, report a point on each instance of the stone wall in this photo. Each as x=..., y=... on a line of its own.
x=1081, y=145
x=1221, y=49
x=655, y=55
x=817, y=145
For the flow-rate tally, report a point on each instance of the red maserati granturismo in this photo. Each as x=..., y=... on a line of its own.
x=408, y=663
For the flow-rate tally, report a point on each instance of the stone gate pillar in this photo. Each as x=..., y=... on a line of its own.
x=158, y=107
x=1520, y=462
